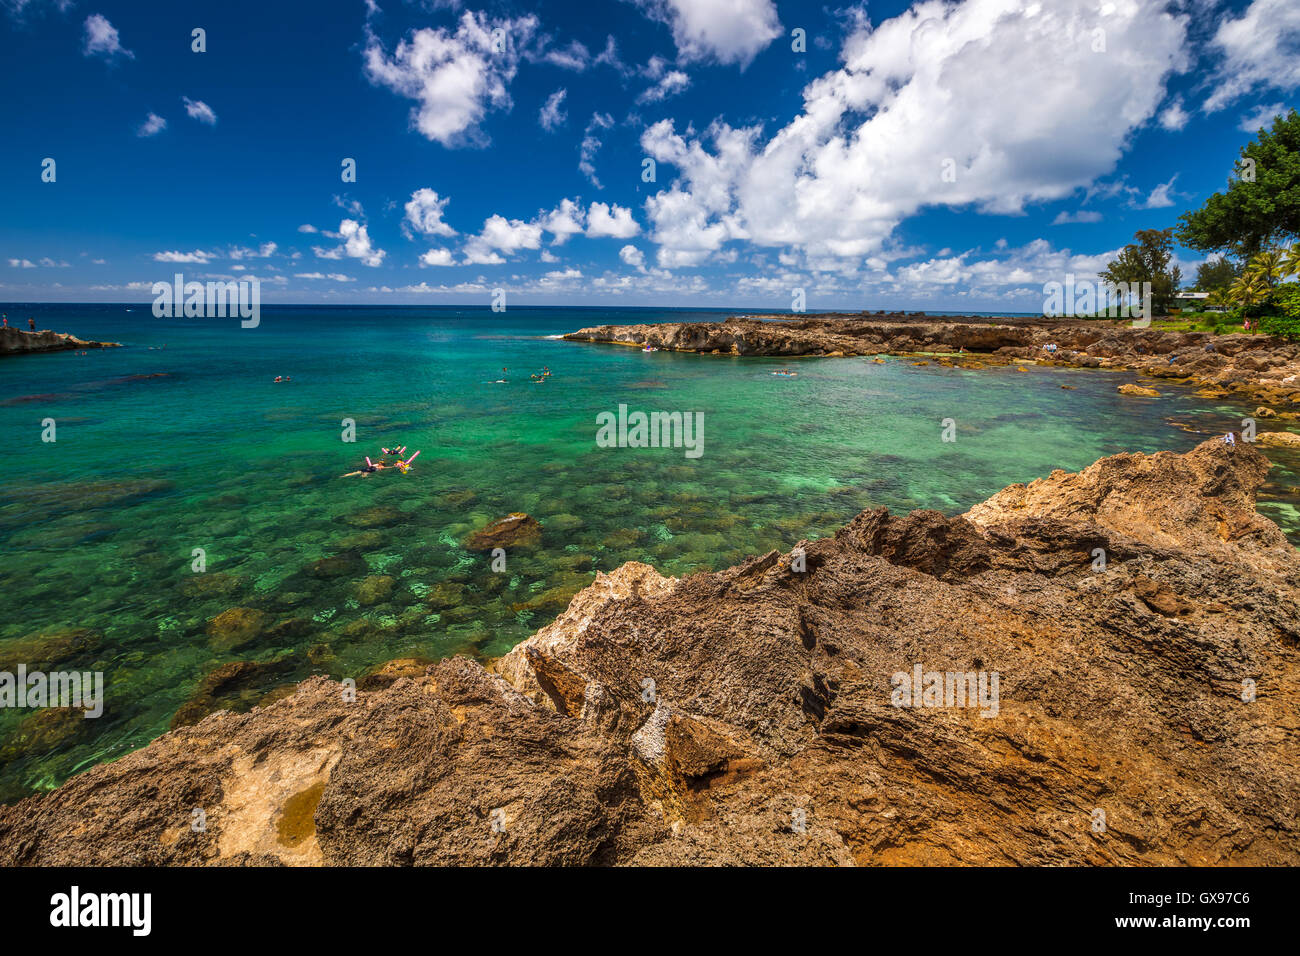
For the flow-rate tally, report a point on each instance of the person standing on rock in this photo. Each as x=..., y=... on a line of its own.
x=31, y=324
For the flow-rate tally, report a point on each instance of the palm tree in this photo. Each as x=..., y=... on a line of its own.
x=1291, y=262
x=1268, y=266
x=1249, y=289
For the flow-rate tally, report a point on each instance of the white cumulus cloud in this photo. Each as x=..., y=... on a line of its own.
x=728, y=31
x=1083, y=215
x=551, y=115
x=198, y=110
x=424, y=213
x=101, y=39
x=1260, y=117
x=1010, y=101
x=565, y=220
x=356, y=245
x=502, y=235
x=613, y=221
x=1258, y=50
x=197, y=256
x=454, y=77
x=437, y=257
x=152, y=126
x=633, y=256
x=670, y=84
x=591, y=145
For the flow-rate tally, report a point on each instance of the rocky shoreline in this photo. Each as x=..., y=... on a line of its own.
x=1260, y=369
x=17, y=342
x=1142, y=620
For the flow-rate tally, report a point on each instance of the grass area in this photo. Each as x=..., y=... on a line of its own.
x=1218, y=322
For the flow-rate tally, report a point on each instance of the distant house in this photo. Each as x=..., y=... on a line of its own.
x=1193, y=301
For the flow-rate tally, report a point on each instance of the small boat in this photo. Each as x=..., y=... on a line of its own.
x=649, y=348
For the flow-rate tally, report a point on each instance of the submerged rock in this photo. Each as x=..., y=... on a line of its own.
x=389, y=673
x=211, y=584
x=456, y=500
x=347, y=564
x=231, y=686
x=43, y=650
x=515, y=530
x=445, y=594
x=375, y=589
x=44, y=730
x=363, y=541
x=379, y=516
x=232, y=629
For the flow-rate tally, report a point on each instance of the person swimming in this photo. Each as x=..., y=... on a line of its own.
x=382, y=465
x=370, y=469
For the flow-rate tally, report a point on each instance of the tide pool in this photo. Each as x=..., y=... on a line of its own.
x=183, y=441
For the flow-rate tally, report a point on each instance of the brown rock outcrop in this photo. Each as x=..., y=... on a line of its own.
x=1141, y=620
x=1259, y=367
x=19, y=342
x=1143, y=391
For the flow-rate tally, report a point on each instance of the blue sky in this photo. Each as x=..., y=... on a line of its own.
x=932, y=155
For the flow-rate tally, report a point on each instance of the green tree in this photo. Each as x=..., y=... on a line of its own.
x=1249, y=289
x=1147, y=260
x=1292, y=261
x=1216, y=274
x=1261, y=206
x=1268, y=266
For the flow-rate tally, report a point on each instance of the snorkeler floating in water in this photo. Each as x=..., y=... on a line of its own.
x=785, y=373
x=383, y=464
x=371, y=468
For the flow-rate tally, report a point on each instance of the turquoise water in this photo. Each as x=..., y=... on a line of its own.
x=98, y=529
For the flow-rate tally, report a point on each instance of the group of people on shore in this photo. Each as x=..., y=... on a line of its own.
x=31, y=322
